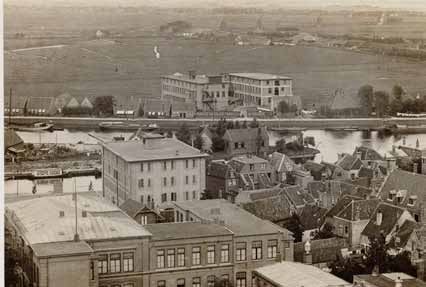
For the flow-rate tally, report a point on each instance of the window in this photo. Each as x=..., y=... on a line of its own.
x=180, y=282
x=141, y=183
x=211, y=280
x=142, y=199
x=251, y=167
x=103, y=264
x=141, y=166
x=186, y=195
x=164, y=197
x=128, y=262
x=346, y=229
x=172, y=180
x=241, y=251
x=211, y=254
x=149, y=166
x=115, y=262
x=242, y=145
x=160, y=259
x=164, y=181
x=194, y=179
x=161, y=283
x=256, y=250
x=196, y=260
x=241, y=279
x=269, y=91
x=186, y=179
x=149, y=182
x=165, y=165
x=196, y=282
x=263, y=166
x=236, y=145
x=272, y=248
x=172, y=163
x=92, y=270
x=193, y=163
x=144, y=219
x=194, y=194
x=225, y=280
x=115, y=174
x=224, y=253
x=171, y=258
x=186, y=163
x=174, y=196
x=181, y=257
x=128, y=285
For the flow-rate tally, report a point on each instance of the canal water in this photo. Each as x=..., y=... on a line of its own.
x=328, y=142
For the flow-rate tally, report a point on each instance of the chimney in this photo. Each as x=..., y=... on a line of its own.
x=61, y=213
x=398, y=282
x=84, y=213
x=415, y=167
x=379, y=218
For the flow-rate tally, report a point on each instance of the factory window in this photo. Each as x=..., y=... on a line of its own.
x=194, y=179
x=241, y=251
x=164, y=197
x=181, y=257
x=269, y=91
x=172, y=180
x=160, y=259
x=224, y=253
x=256, y=250
x=194, y=194
x=128, y=259
x=186, y=179
x=141, y=183
x=225, y=280
x=173, y=196
x=241, y=279
x=164, y=181
x=180, y=282
x=196, y=256
x=193, y=163
x=171, y=258
x=115, y=262
x=196, y=282
x=186, y=195
x=211, y=254
x=103, y=264
x=272, y=248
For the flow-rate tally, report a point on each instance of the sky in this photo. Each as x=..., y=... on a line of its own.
x=397, y=4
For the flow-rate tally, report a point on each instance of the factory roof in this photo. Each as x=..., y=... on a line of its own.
x=260, y=76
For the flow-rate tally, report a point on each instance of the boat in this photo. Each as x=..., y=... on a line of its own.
x=47, y=173
x=405, y=129
x=126, y=126
x=36, y=127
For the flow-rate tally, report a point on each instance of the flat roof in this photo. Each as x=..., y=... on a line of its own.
x=198, y=79
x=157, y=149
x=246, y=159
x=61, y=248
x=289, y=274
x=39, y=220
x=260, y=76
x=184, y=230
x=238, y=220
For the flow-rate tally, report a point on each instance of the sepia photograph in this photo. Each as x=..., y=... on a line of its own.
x=201, y=143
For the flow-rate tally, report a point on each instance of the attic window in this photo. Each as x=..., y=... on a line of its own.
x=412, y=200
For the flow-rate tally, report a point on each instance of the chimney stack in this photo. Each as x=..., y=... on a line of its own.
x=379, y=218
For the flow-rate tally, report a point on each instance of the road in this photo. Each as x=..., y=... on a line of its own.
x=91, y=123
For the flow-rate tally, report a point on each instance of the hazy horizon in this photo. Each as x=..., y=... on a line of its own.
x=267, y=4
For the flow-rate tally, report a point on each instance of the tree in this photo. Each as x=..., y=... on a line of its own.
x=280, y=145
x=230, y=125
x=104, y=106
x=221, y=127
x=140, y=111
x=397, y=92
x=382, y=102
x=377, y=254
x=198, y=142
x=244, y=125
x=346, y=269
x=325, y=232
x=218, y=144
x=10, y=260
x=183, y=134
x=295, y=227
x=283, y=107
x=402, y=263
x=237, y=125
x=366, y=97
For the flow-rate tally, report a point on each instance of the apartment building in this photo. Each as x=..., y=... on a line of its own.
x=262, y=90
x=256, y=242
x=207, y=93
x=86, y=242
x=152, y=171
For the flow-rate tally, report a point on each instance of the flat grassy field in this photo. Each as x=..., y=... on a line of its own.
x=126, y=66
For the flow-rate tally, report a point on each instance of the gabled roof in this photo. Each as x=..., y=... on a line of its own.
x=218, y=169
x=11, y=139
x=359, y=209
x=311, y=217
x=273, y=208
x=323, y=250
x=368, y=153
x=18, y=102
x=398, y=180
x=39, y=102
x=281, y=162
x=245, y=135
x=297, y=196
x=314, y=166
x=390, y=216
x=404, y=233
x=341, y=204
x=349, y=162
x=131, y=207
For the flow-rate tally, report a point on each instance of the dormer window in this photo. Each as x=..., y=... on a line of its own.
x=412, y=200
x=392, y=194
